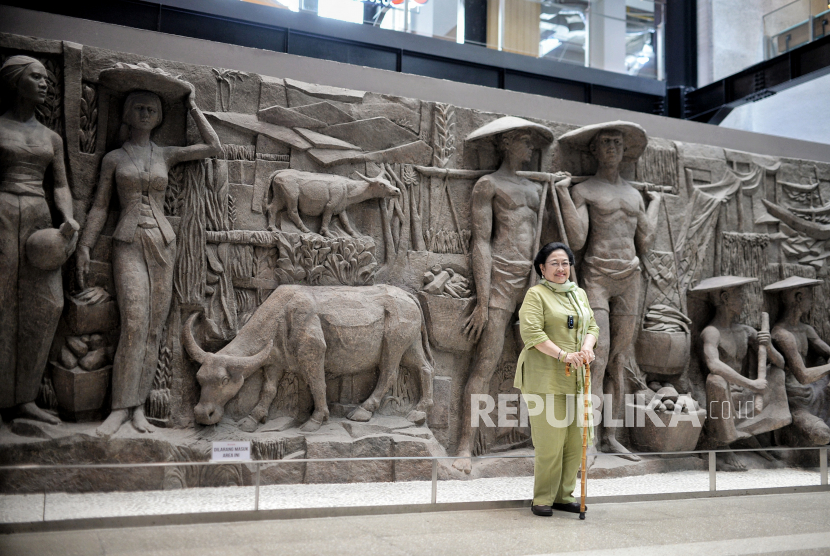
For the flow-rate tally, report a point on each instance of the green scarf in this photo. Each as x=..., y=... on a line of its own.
x=583, y=321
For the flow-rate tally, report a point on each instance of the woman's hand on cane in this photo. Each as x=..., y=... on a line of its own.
x=574, y=359
x=588, y=355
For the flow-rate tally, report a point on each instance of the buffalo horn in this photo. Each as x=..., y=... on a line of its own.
x=198, y=354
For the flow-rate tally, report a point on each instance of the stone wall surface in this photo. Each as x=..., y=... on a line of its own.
x=332, y=273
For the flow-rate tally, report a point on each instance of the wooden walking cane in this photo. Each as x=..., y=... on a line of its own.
x=585, y=445
x=586, y=393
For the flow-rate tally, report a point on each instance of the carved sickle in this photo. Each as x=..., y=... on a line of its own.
x=812, y=229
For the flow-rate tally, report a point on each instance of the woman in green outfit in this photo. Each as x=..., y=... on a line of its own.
x=558, y=329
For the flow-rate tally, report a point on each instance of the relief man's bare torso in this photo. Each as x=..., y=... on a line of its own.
x=614, y=211
x=515, y=210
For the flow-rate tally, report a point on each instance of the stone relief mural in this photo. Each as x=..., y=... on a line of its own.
x=194, y=254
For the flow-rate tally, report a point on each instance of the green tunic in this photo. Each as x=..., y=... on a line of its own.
x=543, y=316
x=542, y=379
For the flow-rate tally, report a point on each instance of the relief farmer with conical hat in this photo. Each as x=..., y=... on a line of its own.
x=505, y=210
x=807, y=387
x=744, y=397
x=607, y=217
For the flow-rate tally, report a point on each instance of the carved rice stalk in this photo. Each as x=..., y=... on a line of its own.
x=157, y=405
x=231, y=212
x=444, y=135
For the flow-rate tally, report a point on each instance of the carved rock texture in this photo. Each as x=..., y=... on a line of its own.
x=365, y=357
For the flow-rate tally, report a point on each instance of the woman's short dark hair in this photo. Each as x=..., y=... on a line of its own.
x=544, y=252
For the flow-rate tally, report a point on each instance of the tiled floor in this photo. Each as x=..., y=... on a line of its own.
x=772, y=524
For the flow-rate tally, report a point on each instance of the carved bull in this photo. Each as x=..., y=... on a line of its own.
x=323, y=195
x=318, y=332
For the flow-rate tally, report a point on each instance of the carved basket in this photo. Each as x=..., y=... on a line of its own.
x=445, y=317
x=85, y=318
x=662, y=353
x=654, y=438
x=80, y=393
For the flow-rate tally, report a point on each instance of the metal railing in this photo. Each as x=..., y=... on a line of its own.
x=711, y=456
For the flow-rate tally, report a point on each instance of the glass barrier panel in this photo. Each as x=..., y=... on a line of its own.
x=821, y=18
x=787, y=27
x=57, y=493
x=563, y=30
x=624, y=37
x=641, y=39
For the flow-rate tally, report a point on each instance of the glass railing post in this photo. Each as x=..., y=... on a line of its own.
x=256, y=490
x=435, y=480
x=712, y=469
x=822, y=456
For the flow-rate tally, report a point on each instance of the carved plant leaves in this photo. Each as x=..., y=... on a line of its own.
x=288, y=270
x=89, y=119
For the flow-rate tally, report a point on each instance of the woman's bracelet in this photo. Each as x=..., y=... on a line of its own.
x=562, y=355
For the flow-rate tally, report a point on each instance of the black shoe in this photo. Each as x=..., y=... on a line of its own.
x=572, y=507
x=544, y=511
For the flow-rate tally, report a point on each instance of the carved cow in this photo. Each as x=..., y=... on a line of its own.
x=323, y=195
x=318, y=332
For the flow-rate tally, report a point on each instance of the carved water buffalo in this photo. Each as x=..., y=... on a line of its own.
x=323, y=195
x=318, y=332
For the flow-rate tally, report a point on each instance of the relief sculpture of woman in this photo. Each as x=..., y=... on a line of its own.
x=144, y=244
x=31, y=250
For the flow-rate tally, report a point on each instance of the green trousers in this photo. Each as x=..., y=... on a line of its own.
x=558, y=449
